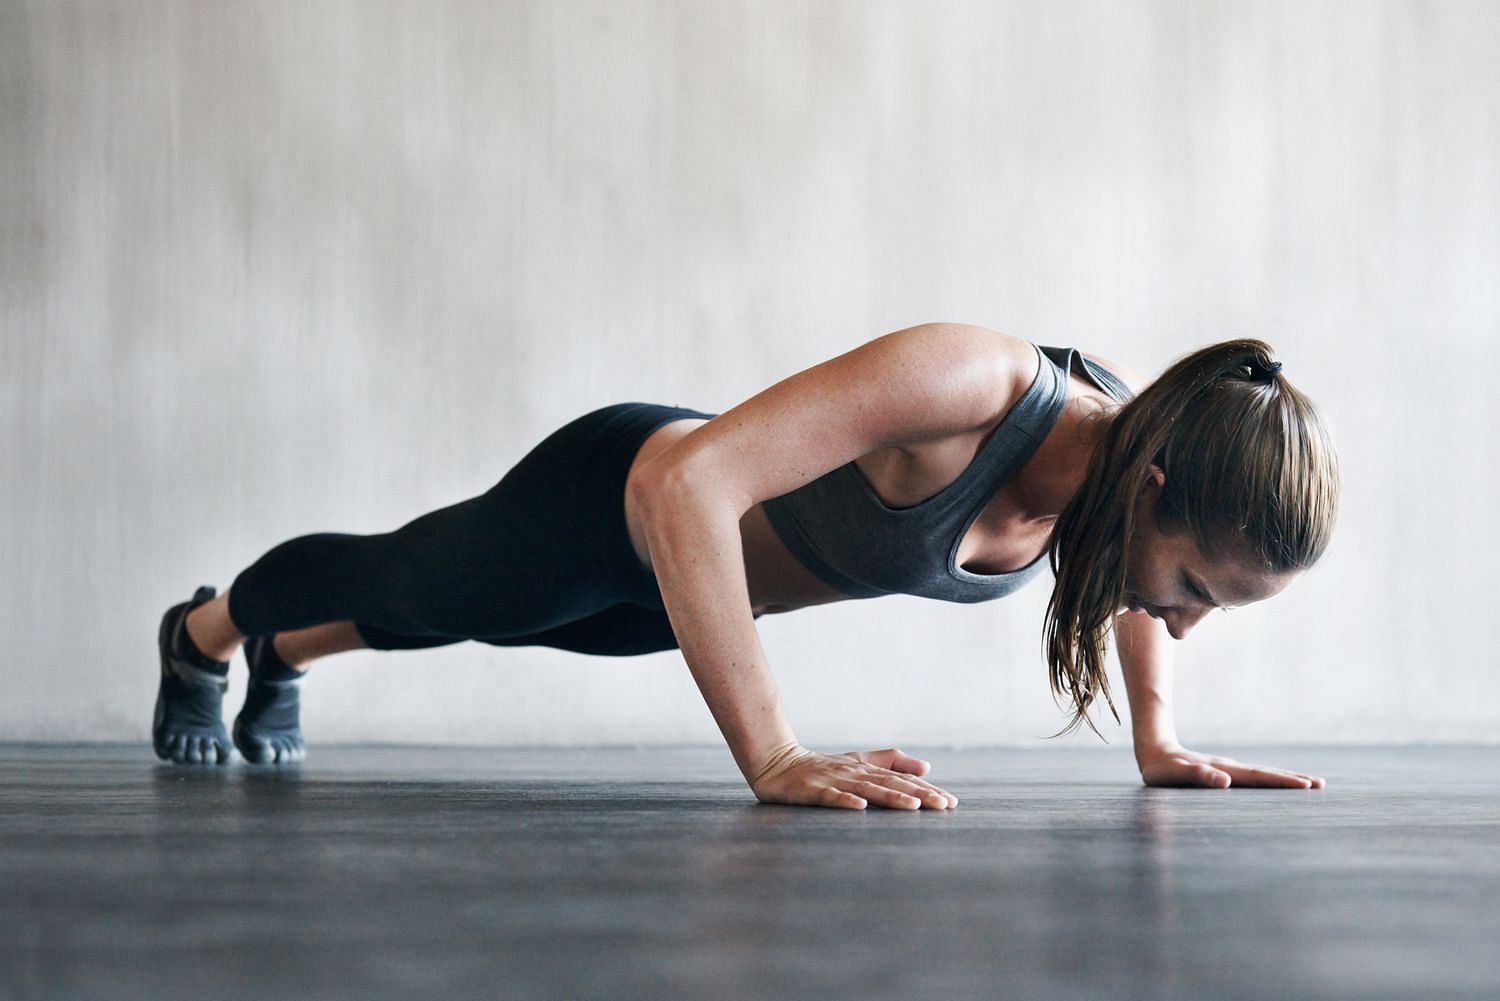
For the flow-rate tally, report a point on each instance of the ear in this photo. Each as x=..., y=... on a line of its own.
x=1155, y=478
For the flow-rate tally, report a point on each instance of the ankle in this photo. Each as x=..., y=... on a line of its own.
x=292, y=659
x=198, y=629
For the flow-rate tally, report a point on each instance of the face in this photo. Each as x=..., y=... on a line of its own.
x=1167, y=577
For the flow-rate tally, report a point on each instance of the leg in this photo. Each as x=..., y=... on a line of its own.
x=213, y=632
x=300, y=647
x=187, y=727
x=268, y=728
x=211, y=629
x=544, y=547
x=437, y=580
x=623, y=630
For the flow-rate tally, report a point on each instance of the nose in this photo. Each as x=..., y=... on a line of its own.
x=1180, y=621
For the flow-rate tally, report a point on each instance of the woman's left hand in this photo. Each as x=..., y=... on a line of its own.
x=1174, y=765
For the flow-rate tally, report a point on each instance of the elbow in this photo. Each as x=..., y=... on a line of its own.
x=650, y=484
x=660, y=496
x=659, y=485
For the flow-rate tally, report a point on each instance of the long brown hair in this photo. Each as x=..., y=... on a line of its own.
x=1251, y=473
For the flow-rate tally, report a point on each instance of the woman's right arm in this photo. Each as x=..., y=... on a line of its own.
x=920, y=383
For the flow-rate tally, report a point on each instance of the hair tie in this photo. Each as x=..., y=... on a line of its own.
x=1266, y=371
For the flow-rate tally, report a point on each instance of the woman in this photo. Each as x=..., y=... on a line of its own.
x=943, y=460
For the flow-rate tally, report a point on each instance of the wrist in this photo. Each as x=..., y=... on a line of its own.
x=1150, y=747
x=770, y=760
x=756, y=741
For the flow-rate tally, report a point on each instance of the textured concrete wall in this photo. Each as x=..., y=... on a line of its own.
x=276, y=268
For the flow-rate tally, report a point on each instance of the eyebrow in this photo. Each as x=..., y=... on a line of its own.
x=1202, y=589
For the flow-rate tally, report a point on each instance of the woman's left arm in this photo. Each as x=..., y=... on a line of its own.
x=1146, y=660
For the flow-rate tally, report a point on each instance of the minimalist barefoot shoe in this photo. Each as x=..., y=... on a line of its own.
x=187, y=727
x=267, y=730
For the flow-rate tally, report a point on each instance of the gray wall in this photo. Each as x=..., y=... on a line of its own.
x=287, y=267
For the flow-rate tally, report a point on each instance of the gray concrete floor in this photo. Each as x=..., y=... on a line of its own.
x=447, y=873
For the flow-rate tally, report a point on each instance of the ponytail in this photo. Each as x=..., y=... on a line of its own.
x=1251, y=473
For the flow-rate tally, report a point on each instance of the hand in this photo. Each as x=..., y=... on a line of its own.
x=1174, y=765
x=852, y=781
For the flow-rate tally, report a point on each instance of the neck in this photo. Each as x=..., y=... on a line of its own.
x=1063, y=465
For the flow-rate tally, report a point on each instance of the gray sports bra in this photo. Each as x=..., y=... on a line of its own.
x=843, y=533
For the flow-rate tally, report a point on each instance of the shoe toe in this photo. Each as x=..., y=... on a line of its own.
x=257, y=751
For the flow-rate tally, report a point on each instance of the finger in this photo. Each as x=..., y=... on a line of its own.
x=930, y=795
x=935, y=799
x=933, y=796
x=882, y=795
x=895, y=759
x=940, y=798
x=1214, y=778
x=903, y=762
x=840, y=798
x=1261, y=775
x=1273, y=778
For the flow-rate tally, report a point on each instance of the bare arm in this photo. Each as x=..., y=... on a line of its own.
x=1146, y=661
x=694, y=539
x=918, y=383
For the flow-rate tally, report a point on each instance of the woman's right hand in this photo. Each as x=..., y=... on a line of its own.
x=890, y=778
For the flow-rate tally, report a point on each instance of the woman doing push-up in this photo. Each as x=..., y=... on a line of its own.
x=945, y=460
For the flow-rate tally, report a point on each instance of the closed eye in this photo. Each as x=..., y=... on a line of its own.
x=1195, y=592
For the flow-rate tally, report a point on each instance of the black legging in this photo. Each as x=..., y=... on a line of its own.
x=542, y=558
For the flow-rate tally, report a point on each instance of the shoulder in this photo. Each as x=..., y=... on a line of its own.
x=977, y=372
x=1131, y=377
x=930, y=382
x=970, y=340
x=991, y=353
x=971, y=347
